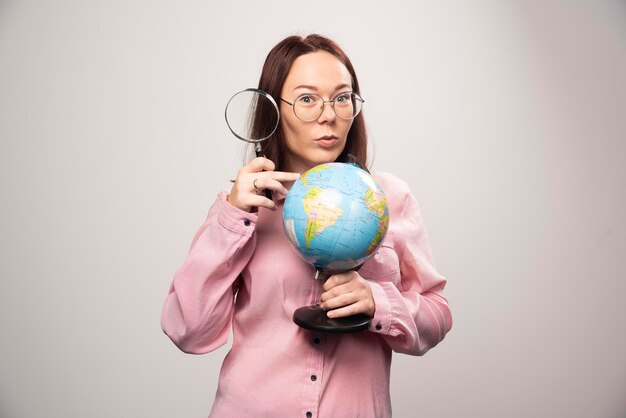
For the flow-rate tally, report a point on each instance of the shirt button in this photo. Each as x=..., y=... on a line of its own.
x=316, y=341
x=313, y=377
x=379, y=326
x=309, y=414
x=246, y=222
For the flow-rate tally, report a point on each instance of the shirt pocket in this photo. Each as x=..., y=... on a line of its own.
x=383, y=266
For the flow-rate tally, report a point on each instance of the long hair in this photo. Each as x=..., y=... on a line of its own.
x=275, y=70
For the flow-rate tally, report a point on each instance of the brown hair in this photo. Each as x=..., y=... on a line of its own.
x=275, y=70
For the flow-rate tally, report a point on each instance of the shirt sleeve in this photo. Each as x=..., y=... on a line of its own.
x=414, y=316
x=198, y=310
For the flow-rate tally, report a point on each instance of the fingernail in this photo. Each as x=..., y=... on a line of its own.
x=330, y=314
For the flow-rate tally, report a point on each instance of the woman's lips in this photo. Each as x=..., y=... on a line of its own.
x=327, y=141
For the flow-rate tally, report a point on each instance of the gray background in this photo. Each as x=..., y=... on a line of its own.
x=506, y=118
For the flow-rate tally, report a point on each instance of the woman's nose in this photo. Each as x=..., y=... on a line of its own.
x=328, y=113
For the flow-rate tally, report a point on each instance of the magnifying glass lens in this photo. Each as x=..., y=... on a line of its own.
x=252, y=115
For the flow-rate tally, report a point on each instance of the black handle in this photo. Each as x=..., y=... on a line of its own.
x=259, y=153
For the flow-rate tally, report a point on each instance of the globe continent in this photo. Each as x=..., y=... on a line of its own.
x=335, y=216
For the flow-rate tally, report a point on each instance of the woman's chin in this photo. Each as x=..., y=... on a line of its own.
x=325, y=156
x=315, y=158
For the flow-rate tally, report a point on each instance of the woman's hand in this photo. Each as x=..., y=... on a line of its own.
x=252, y=179
x=347, y=294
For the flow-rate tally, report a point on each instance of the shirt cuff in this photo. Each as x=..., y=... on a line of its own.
x=235, y=219
x=381, y=322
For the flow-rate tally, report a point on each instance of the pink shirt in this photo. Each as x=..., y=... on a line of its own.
x=242, y=271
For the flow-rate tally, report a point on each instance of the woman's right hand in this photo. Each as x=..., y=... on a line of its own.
x=252, y=179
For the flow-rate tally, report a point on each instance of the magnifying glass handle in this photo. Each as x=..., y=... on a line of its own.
x=257, y=151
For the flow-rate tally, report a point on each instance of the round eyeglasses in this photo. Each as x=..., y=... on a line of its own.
x=309, y=107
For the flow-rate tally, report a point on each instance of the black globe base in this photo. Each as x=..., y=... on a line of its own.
x=314, y=318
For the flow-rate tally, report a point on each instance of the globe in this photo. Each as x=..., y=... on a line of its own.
x=335, y=216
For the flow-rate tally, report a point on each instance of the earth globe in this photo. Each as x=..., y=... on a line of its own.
x=335, y=216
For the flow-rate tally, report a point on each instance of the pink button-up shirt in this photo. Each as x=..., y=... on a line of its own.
x=242, y=271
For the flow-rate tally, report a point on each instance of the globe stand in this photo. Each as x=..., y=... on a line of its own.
x=314, y=318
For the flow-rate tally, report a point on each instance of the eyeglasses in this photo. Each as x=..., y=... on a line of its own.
x=309, y=107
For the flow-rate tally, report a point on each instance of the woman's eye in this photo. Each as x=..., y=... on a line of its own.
x=307, y=99
x=342, y=98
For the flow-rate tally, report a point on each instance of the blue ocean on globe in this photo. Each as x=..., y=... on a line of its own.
x=335, y=216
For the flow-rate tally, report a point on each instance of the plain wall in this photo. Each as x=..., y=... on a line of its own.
x=507, y=119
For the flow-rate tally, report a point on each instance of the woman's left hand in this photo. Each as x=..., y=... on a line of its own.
x=347, y=294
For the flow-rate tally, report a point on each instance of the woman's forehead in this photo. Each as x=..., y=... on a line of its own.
x=319, y=70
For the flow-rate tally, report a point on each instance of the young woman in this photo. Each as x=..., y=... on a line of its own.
x=242, y=272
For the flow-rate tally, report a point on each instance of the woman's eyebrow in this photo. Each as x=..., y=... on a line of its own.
x=343, y=86
x=303, y=86
x=307, y=87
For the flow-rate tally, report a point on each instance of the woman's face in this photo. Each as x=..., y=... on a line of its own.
x=323, y=139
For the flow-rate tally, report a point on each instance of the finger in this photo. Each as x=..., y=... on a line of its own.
x=258, y=164
x=355, y=308
x=340, y=301
x=264, y=179
x=338, y=279
x=262, y=201
x=269, y=183
x=336, y=291
x=283, y=175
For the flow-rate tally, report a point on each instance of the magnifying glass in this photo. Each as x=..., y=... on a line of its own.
x=252, y=115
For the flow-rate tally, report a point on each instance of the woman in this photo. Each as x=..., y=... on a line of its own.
x=242, y=271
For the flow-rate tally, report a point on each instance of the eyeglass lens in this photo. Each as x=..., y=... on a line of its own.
x=309, y=107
